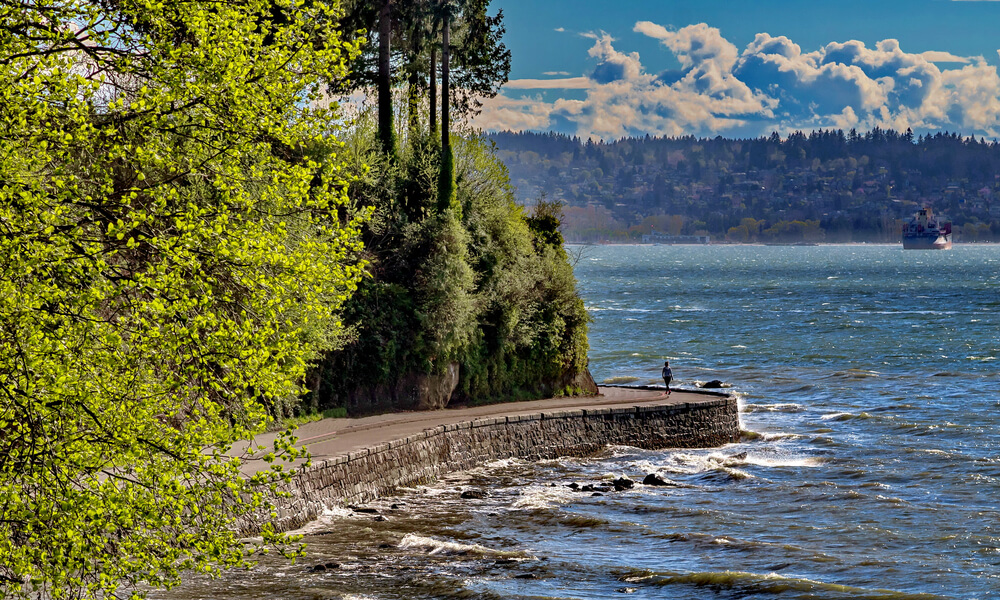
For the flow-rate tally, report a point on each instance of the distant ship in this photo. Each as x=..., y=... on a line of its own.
x=924, y=232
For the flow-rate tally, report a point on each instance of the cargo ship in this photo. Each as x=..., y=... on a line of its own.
x=924, y=232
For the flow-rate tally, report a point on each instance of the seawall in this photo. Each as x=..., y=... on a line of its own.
x=364, y=475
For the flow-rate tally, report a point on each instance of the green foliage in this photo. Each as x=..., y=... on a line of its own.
x=484, y=290
x=545, y=221
x=176, y=241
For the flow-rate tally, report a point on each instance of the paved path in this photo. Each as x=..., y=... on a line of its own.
x=334, y=437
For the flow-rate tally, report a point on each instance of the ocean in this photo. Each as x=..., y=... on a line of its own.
x=870, y=395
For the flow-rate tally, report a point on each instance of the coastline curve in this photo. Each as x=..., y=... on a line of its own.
x=369, y=473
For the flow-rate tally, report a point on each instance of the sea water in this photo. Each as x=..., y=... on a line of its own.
x=870, y=394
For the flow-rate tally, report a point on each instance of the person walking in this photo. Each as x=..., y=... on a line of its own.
x=667, y=375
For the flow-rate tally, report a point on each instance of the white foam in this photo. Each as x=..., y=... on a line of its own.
x=787, y=407
x=783, y=461
x=324, y=521
x=504, y=463
x=837, y=415
x=433, y=546
x=536, y=496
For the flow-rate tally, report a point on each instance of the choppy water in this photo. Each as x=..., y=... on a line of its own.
x=870, y=377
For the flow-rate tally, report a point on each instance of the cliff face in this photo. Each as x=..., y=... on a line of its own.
x=475, y=303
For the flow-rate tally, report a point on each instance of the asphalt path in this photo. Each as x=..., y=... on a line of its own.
x=330, y=438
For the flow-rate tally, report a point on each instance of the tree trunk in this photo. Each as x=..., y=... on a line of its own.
x=386, y=134
x=434, y=83
x=446, y=180
x=413, y=87
x=445, y=57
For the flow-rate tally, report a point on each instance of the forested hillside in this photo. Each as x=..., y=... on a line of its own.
x=823, y=186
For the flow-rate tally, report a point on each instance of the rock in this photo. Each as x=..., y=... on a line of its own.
x=363, y=509
x=623, y=483
x=656, y=480
x=381, y=518
x=715, y=384
x=626, y=590
x=740, y=456
x=384, y=546
x=473, y=494
x=574, y=486
x=410, y=391
x=324, y=567
x=396, y=507
x=526, y=576
x=597, y=494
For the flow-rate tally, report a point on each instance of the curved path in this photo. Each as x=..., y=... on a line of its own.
x=334, y=437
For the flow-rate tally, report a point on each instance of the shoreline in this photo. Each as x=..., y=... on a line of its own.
x=360, y=460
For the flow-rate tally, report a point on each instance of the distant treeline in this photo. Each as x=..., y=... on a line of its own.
x=826, y=185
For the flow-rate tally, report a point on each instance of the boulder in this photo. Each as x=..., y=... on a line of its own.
x=324, y=567
x=715, y=384
x=473, y=494
x=656, y=480
x=623, y=483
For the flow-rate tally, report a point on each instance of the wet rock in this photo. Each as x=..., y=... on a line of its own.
x=384, y=546
x=526, y=576
x=622, y=484
x=574, y=486
x=715, y=384
x=587, y=488
x=324, y=567
x=396, y=507
x=363, y=509
x=656, y=480
x=597, y=494
x=381, y=518
x=473, y=494
x=626, y=590
x=740, y=456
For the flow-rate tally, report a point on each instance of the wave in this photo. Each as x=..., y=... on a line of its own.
x=769, y=583
x=324, y=522
x=539, y=497
x=433, y=547
x=784, y=407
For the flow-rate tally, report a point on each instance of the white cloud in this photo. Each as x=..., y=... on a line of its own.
x=770, y=84
x=571, y=83
x=556, y=73
x=938, y=56
x=560, y=29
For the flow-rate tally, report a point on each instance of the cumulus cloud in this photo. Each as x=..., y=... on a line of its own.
x=569, y=83
x=771, y=84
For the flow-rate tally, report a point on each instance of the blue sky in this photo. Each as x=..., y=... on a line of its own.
x=744, y=68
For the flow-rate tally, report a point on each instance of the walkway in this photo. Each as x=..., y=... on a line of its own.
x=334, y=437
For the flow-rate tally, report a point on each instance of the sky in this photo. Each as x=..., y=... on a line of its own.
x=744, y=68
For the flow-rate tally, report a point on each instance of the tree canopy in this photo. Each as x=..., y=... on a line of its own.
x=175, y=241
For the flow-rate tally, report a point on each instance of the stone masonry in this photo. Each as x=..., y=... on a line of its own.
x=365, y=475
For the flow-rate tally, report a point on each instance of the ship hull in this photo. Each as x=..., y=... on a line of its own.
x=926, y=242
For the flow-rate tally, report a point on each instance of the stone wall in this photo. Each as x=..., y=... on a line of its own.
x=368, y=474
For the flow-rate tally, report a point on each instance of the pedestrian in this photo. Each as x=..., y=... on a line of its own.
x=667, y=375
